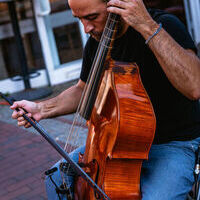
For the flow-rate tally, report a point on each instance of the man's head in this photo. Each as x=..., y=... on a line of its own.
x=92, y=13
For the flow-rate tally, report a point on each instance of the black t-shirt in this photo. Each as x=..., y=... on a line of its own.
x=177, y=117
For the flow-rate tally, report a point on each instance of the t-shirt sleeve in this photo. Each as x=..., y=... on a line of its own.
x=177, y=30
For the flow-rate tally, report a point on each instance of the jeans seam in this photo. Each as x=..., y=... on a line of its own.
x=193, y=148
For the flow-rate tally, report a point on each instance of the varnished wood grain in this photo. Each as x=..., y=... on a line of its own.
x=121, y=130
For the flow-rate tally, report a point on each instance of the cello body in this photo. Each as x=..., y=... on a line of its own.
x=121, y=131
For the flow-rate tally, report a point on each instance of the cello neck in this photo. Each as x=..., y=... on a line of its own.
x=98, y=66
x=109, y=33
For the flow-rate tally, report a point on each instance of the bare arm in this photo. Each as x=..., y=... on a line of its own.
x=64, y=103
x=182, y=67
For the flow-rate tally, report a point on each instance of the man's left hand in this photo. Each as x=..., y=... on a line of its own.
x=133, y=12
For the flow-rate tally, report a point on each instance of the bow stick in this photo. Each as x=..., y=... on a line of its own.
x=78, y=170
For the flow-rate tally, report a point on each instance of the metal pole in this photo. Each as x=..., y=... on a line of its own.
x=19, y=42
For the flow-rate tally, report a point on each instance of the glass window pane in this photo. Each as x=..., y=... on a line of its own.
x=10, y=62
x=68, y=41
x=58, y=5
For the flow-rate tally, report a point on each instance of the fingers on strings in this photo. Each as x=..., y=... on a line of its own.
x=114, y=5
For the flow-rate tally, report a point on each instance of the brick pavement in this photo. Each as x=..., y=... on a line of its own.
x=24, y=157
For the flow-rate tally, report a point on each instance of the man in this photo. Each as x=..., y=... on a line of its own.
x=170, y=72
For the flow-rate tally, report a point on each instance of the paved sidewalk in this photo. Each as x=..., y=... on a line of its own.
x=25, y=155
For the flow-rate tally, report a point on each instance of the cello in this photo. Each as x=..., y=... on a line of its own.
x=121, y=124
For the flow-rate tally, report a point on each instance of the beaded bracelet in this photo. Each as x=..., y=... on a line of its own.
x=156, y=32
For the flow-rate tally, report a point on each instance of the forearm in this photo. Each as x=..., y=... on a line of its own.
x=182, y=67
x=64, y=103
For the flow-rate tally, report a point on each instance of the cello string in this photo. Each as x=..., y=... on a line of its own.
x=76, y=118
x=75, y=130
x=77, y=115
x=78, y=110
x=83, y=99
x=72, y=129
x=106, y=41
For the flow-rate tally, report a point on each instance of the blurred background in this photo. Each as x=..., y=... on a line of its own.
x=53, y=40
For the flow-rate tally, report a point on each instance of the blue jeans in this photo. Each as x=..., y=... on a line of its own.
x=166, y=175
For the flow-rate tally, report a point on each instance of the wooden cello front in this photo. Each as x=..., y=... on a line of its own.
x=121, y=131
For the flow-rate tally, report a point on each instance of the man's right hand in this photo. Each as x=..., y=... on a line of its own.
x=32, y=108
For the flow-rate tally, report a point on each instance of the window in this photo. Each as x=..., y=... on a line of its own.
x=10, y=63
